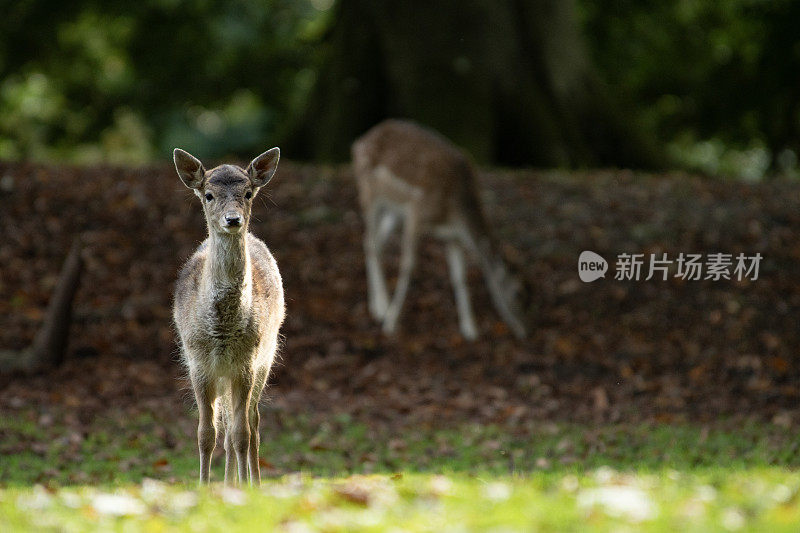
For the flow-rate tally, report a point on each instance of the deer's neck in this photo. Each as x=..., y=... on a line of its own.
x=500, y=280
x=490, y=258
x=228, y=273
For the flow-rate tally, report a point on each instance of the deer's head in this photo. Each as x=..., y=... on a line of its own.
x=227, y=191
x=516, y=292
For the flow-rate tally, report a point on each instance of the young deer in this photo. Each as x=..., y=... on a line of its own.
x=408, y=172
x=228, y=310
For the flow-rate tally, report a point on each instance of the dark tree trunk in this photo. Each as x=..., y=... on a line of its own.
x=508, y=80
x=50, y=342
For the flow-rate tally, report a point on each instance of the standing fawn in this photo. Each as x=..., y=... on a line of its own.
x=410, y=173
x=228, y=310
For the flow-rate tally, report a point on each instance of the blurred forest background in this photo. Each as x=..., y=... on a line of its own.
x=711, y=86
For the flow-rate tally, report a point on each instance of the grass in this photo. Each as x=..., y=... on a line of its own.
x=341, y=475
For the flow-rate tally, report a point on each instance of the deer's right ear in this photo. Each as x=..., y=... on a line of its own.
x=190, y=169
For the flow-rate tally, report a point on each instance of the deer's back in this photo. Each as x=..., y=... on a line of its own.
x=401, y=161
x=221, y=333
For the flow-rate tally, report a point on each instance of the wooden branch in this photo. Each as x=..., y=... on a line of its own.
x=50, y=342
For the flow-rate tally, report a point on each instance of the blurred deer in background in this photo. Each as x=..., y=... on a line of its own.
x=228, y=310
x=411, y=174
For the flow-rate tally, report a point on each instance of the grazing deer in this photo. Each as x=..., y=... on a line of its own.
x=410, y=173
x=228, y=310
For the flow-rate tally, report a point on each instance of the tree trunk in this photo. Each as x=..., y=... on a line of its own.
x=51, y=340
x=508, y=80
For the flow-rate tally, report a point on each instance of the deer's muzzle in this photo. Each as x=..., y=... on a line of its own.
x=233, y=219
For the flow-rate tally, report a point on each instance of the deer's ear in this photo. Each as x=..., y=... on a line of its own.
x=190, y=169
x=262, y=168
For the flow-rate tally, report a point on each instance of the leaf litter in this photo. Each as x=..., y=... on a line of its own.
x=602, y=353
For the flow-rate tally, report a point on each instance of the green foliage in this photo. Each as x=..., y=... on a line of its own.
x=718, y=79
x=126, y=81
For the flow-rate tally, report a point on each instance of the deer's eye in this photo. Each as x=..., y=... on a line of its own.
x=248, y=195
x=209, y=196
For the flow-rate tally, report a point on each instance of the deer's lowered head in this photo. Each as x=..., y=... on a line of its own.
x=226, y=191
x=510, y=289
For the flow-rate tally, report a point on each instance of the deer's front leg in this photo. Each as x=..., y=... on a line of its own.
x=241, y=391
x=205, y=394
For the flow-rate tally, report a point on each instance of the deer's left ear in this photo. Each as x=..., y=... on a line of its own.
x=262, y=168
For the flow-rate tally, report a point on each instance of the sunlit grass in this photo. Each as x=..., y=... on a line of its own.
x=600, y=500
x=339, y=474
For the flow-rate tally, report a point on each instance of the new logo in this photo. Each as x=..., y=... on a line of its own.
x=591, y=266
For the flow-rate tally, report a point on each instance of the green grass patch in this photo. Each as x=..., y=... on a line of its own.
x=124, y=472
x=599, y=500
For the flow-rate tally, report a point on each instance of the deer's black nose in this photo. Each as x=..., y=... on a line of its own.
x=233, y=219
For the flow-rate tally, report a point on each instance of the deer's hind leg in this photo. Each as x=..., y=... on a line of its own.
x=241, y=393
x=458, y=276
x=254, y=419
x=224, y=405
x=378, y=224
x=229, y=459
x=205, y=394
x=408, y=257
